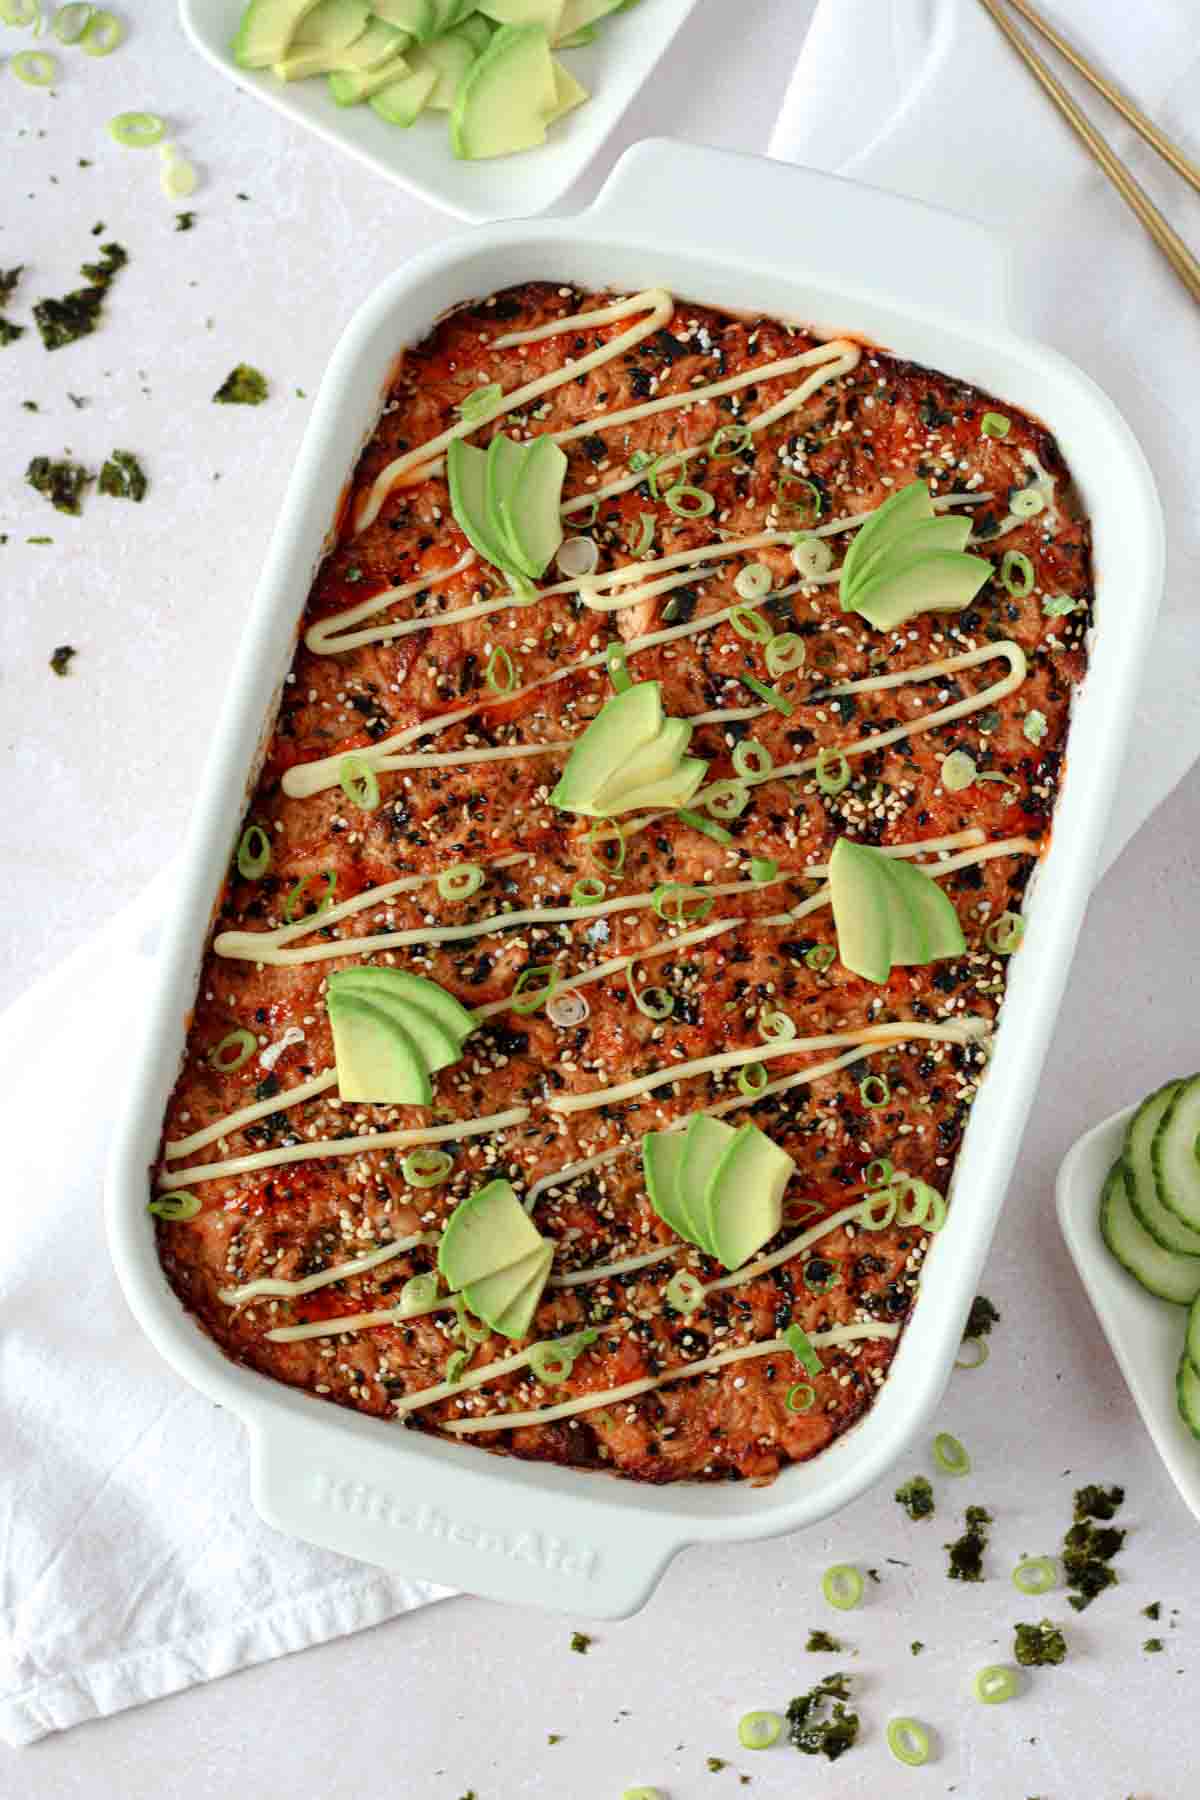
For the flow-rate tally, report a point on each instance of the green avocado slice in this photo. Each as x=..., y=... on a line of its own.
x=401, y=102
x=492, y=1296
x=862, y=899
x=908, y=942
x=517, y=1317
x=939, y=581
x=531, y=507
x=653, y=764
x=466, y=473
x=436, y=1047
x=898, y=513
x=948, y=533
x=414, y=990
x=349, y=87
x=706, y=1141
x=376, y=1059
x=485, y=1233
x=677, y=790
x=265, y=30
x=503, y=98
x=930, y=910
x=621, y=727
x=744, y=1200
x=504, y=460
x=662, y=1157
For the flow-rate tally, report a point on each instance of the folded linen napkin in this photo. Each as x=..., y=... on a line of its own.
x=131, y=1561
x=926, y=98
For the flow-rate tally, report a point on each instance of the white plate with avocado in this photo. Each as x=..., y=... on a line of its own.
x=488, y=111
x=1146, y=1331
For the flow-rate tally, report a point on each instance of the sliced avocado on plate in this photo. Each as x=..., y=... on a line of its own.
x=503, y=100
x=266, y=29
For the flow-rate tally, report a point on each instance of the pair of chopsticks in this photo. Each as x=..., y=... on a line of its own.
x=1181, y=259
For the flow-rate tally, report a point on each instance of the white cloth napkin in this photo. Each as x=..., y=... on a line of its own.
x=131, y=1561
x=925, y=97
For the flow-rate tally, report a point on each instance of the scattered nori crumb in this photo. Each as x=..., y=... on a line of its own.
x=1153, y=1611
x=77, y=314
x=1153, y=1644
x=1097, y=1502
x=184, y=221
x=822, y=1644
x=554, y=1737
x=916, y=1647
x=61, y=483
x=242, y=386
x=581, y=1643
x=714, y=1764
x=9, y=278
x=60, y=660
x=966, y=1552
x=123, y=477
x=1036, y=1645
x=981, y=1318
x=30, y=406
x=916, y=1497
x=1088, y=1549
x=818, y=1729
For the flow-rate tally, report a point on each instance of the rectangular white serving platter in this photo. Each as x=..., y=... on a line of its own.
x=749, y=235
x=1145, y=1334
x=627, y=47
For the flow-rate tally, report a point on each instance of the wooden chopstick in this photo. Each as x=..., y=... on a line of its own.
x=1168, y=240
x=1158, y=140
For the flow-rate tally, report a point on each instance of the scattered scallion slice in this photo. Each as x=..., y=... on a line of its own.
x=234, y=1049
x=553, y=1359
x=418, y=1292
x=832, y=771
x=800, y=1397
x=655, y=1003
x=253, y=853
x=292, y=904
x=646, y=524
x=479, y=403
x=642, y=1793
x=811, y=558
x=709, y=827
x=821, y=1277
x=879, y=1171
x=874, y=1091
x=36, y=68
x=465, y=1327
x=616, y=661
x=995, y=425
x=870, y=1218
x=759, y=1730
x=800, y=1345
x=771, y=695
x=1034, y=725
x=177, y=177
x=738, y=437
x=174, y=1206
x=950, y=1456
x=566, y=1010
x=820, y=957
x=1017, y=573
x=794, y=494
x=685, y=1291
x=776, y=1026
x=727, y=799
x=500, y=672
x=577, y=556
x=137, y=130
x=460, y=882
x=995, y=1684
x=70, y=22
x=681, y=905
x=750, y=625
x=763, y=868
x=102, y=34
x=842, y=1585
x=786, y=651
x=908, y=1742
x=456, y=1366
x=589, y=890
x=752, y=582
x=359, y=782
x=643, y=463
x=958, y=771
x=1004, y=935
x=1028, y=503
x=20, y=12
x=753, y=1078
x=1058, y=606
x=978, y=1353
x=689, y=502
x=1034, y=1574
x=606, y=831
x=427, y=1168
x=527, y=995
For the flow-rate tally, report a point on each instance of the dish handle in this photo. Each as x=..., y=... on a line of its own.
x=833, y=232
x=534, y=1538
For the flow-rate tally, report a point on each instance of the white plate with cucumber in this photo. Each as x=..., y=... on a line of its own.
x=1129, y=1207
x=489, y=109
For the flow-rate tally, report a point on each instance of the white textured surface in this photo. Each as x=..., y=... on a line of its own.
x=462, y=1696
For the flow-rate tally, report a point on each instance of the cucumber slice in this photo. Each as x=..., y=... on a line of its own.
x=1187, y=1394
x=1164, y=1227
x=1160, y=1272
x=1174, y=1155
x=1191, y=1342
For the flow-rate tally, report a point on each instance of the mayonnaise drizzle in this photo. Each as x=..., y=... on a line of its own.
x=308, y=1284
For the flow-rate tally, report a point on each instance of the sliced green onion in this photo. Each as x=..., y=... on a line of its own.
x=727, y=799
x=958, y=771
x=292, y=903
x=842, y=1585
x=833, y=771
x=869, y=1218
x=681, y=905
x=589, y=891
x=643, y=463
x=606, y=831
x=786, y=651
x=566, y=1010
x=647, y=523
x=589, y=512
x=873, y=1091
x=776, y=1026
x=811, y=558
x=455, y=1366
x=174, y=1206
x=1034, y=725
x=771, y=695
x=655, y=1003
x=1005, y=934
x=979, y=1353
x=689, y=502
x=253, y=853
x=752, y=759
x=818, y=1283
x=907, y=1740
x=426, y=1168
x=642, y=1793
x=553, y=1359
x=103, y=34
x=177, y=177
x=879, y=1171
x=994, y=425
x=36, y=68
x=1058, y=606
x=1017, y=574
x=1028, y=503
x=759, y=1730
x=800, y=1398
x=460, y=882
x=950, y=1456
x=820, y=957
x=418, y=1292
x=465, y=1326
x=478, y=402
x=995, y=1684
x=527, y=996
x=234, y=1049
x=500, y=672
x=739, y=437
x=709, y=827
x=685, y=1291
x=359, y=782
x=917, y=1200
x=20, y=12
x=1035, y=1574
x=616, y=661
x=794, y=494
x=750, y=625
x=752, y=582
x=801, y=1347
x=138, y=130
x=753, y=1078
x=763, y=868
x=70, y=22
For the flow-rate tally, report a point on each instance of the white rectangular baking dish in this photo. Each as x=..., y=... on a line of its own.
x=817, y=249
x=626, y=51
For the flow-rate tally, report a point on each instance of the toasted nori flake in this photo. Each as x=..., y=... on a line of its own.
x=61, y=483
x=60, y=660
x=243, y=386
x=966, y=1552
x=123, y=477
x=818, y=1723
x=916, y=1497
x=1036, y=1645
